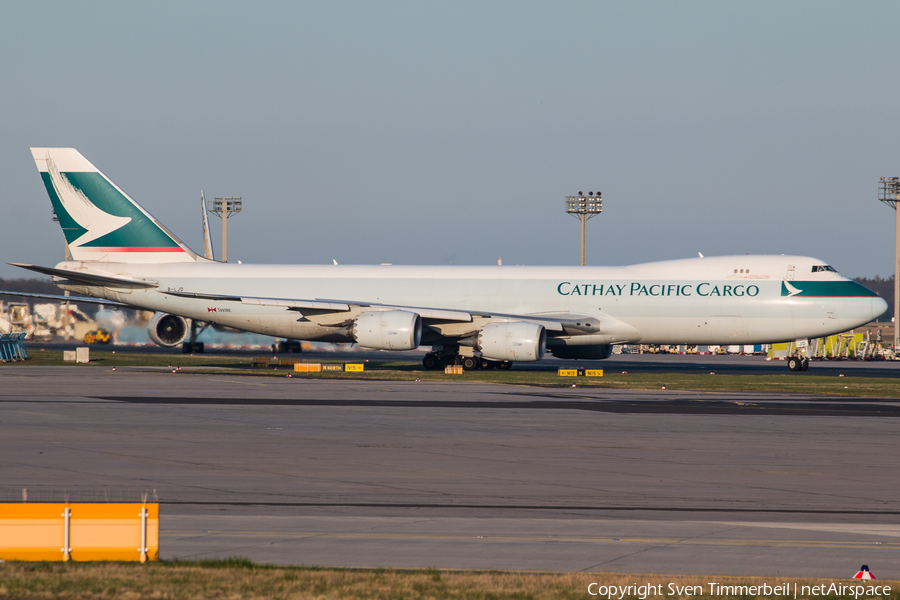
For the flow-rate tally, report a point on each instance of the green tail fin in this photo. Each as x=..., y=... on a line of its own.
x=99, y=220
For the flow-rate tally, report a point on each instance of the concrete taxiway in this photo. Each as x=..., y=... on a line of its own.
x=459, y=475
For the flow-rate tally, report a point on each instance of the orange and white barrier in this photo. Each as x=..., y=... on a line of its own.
x=72, y=531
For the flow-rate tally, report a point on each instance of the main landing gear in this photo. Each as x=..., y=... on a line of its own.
x=434, y=361
x=192, y=346
x=287, y=347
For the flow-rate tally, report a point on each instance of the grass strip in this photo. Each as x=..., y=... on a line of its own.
x=241, y=579
x=808, y=384
x=876, y=387
x=54, y=358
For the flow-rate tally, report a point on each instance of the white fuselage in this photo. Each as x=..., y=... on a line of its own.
x=714, y=300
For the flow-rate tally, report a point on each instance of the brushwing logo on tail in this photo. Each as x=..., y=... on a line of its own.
x=97, y=222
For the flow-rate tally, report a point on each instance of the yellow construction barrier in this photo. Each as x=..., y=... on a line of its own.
x=61, y=532
x=307, y=367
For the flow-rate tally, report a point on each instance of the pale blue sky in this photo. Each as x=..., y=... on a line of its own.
x=427, y=133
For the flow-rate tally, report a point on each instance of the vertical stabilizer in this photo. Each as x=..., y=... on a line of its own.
x=99, y=220
x=207, y=238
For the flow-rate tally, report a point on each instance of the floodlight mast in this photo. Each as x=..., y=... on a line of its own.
x=889, y=193
x=223, y=208
x=584, y=207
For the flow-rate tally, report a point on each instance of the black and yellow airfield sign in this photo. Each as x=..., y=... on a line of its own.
x=581, y=372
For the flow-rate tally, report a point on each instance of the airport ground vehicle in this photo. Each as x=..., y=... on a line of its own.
x=97, y=336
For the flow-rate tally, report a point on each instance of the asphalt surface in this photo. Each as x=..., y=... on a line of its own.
x=459, y=475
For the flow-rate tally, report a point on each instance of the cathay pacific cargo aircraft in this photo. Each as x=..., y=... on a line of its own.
x=479, y=317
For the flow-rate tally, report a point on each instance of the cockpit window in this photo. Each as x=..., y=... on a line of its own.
x=817, y=268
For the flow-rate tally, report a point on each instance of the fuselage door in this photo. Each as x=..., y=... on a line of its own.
x=789, y=276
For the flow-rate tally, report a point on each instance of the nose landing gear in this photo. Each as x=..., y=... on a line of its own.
x=798, y=363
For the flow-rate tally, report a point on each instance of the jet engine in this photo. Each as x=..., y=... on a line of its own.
x=598, y=352
x=167, y=330
x=517, y=341
x=388, y=330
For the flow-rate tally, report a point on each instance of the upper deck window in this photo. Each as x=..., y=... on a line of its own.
x=817, y=268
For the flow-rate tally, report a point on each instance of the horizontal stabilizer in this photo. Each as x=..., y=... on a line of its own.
x=60, y=298
x=90, y=279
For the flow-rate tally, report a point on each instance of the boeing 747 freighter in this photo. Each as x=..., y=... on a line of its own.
x=479, y=317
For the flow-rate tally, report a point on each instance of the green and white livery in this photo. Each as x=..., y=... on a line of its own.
x=99, y=220
x=480, y=317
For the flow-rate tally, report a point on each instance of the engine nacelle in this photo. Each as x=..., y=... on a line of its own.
x=167, y=330
x=600, y=352
x=388, y=330
x=517, y=341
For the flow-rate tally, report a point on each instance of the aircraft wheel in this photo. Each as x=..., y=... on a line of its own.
x=431, y=362
x=804, y=364
x=487, y=364
x=506, y=365
x=794, y=363
x=470, y=363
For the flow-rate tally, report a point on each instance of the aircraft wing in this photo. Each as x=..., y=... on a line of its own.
x=450, y=323
x=447, y=322
x=326, y=306
x=288, y=304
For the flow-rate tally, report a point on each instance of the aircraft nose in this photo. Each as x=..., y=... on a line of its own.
x=879, y=306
